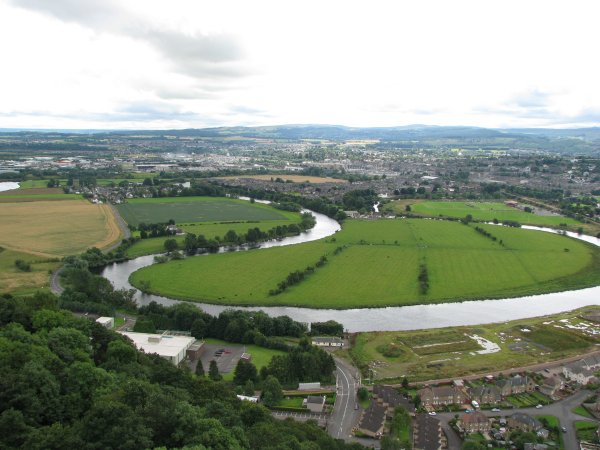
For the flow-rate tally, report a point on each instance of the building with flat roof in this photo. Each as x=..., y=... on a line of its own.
x=172, y=348
x=107, y=322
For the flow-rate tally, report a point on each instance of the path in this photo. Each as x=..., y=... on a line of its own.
x=122, y=226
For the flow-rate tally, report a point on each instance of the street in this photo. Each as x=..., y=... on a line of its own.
x=344, y=415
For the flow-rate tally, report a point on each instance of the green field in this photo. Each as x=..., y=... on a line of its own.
x=367, y=350
x=484, y=211
x=379, y=266
x=260, y=356
x=18, y=282
x=195, y=209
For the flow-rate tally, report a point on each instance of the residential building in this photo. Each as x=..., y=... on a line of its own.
x=488, y=394
x=516, y=385
x=582, y=371
x=315, y=403
x=427, y=433
x=327, y=341
x=441, y=395
x=372, y=420
x=524, y=422
x=551, y=385
x=390, y=398
x=475, y=422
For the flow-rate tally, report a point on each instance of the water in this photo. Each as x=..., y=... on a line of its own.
x=8, y=186
x=392, y=318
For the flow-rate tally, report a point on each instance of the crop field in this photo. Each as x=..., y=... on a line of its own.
x=486, y=211
x=56, y=228
x=36, y=194
x=377, y=263
x=208, y=230
x=503, y=342
x=285, y=177
x=195, y=209
x=18, y=282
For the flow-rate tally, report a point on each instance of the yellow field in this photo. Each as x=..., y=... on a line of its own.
x=56, y=228
x=294, y=178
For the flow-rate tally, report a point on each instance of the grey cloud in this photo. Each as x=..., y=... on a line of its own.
x=199, y=56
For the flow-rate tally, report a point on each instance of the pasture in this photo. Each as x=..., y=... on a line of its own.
x=377, y=263
x=195, y=209
x=451, y=352
x=18, y=282
x=56, y=228
x=484, y=211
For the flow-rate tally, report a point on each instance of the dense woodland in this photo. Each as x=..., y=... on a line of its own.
x=67, y=382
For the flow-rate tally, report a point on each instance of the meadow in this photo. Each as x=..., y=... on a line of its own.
x=195, y=209
x=56, y=228
x=18, y=282
x=369, y=349
x=377, y=263
x=483, y=211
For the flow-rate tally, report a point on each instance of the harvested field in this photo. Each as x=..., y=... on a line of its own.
x=56, y=228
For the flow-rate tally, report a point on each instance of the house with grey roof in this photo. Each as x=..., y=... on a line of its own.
x=372, y=420
x=427, y=433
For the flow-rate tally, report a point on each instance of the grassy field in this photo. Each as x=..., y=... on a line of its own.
x=486, y=211
x=379, y=266
x=260, y=356
x=285, y=177
x=514, y=349
x=18, y=282
x=195, y=209
x=586, y=430
x=56, y=228
x=36, y=194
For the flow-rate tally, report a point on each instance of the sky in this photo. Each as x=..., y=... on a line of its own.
x=156, y=64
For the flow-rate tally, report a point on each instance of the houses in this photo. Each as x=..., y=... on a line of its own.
x=475, y=422
x=327, y=341
x=441, y=396
x=524, y=422
x=427, y=433
x=390, y=398
x=582, y=371
x=372, y=420
x=551, y=385
x=315, y=403
x=486, y=395
x=516, y=385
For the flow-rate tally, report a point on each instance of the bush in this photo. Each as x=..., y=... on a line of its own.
x=22, y=265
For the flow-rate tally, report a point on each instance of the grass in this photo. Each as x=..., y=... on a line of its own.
x=586, y=430
x=209, y=230
x=418, y=367
x=379, y=267
x=485, y=211
x=580, y=410
x=119, y=322
x=36, y=194
x=56, y=228
x=260, y=356
x=24, y=283
x=195, y=209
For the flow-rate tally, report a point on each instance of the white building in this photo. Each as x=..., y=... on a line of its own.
x=107, y=322
x=327, y=342
x=582, y=371
x=172, y=348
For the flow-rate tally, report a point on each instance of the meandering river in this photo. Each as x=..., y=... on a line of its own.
x=391, y=318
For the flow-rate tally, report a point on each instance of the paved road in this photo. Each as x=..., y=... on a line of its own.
x=344, y=415
x=55, y=281
x=561, y=409
x=129, y=322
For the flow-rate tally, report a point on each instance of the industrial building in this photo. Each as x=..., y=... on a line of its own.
x=172, y=348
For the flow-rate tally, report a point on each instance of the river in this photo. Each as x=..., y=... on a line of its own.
x=391, y=318
x=8, y=186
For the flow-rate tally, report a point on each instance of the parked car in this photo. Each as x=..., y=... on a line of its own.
x=539, y=406
x=563, y=429
x=495, y=409
x=433, y=413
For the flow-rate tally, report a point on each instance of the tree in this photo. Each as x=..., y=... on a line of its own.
x=249, y=388
x=170, y=245
x=272, y=393
x=405, y=383
x=200, y=369
x=213, y=371
x=473, y=445
x=245, y=371
x=363, y=394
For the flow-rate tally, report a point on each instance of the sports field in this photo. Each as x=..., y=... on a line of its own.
x=453, y=352
x=195, y=209
x=379, y=265
x=56, y=228
x=486, y=211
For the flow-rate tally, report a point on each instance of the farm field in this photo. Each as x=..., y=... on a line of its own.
x=195, y=209
x=208, y=230
x=56, y=228
x=36, y=194
x=452, y=352
x=285, y=177
x=18, y=282
x=485, y=211
x=377, y=263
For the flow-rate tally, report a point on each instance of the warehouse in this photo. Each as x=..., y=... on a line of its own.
x=172, y=348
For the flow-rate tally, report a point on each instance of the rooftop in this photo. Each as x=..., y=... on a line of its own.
x=161, y=345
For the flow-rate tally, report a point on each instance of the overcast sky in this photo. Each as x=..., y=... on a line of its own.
x=177, y=64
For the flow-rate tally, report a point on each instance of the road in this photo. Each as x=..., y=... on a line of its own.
x=122, y=226
x=55, y=281
x=344, y=415
x=561, y=409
